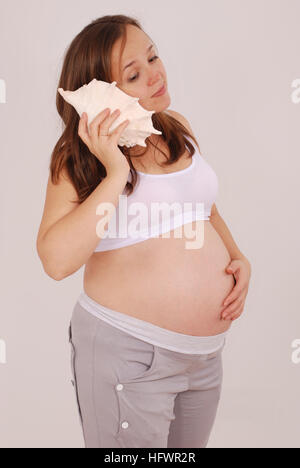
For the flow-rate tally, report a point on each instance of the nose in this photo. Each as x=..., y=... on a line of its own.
x=155, y=79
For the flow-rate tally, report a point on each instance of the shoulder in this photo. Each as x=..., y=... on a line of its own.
x=181, y=119
x=186, y=123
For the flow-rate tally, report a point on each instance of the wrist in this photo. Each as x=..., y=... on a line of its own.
x=118, y=171
x=117, y=175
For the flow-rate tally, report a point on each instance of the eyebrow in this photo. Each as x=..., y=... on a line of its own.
x=133, y=61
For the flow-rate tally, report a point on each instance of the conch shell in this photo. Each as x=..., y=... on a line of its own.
x=96, y=96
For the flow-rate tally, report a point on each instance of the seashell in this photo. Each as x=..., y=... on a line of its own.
x=96, y=96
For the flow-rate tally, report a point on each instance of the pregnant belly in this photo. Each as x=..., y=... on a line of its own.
x=163, y=282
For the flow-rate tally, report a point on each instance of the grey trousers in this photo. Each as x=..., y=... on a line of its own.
x=131, y=393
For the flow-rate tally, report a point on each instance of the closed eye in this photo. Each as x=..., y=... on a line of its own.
x=151, y=60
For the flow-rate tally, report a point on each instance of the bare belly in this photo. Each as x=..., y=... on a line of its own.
x=161, y=281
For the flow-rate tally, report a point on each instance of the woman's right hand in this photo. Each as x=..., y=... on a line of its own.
x=102, y=145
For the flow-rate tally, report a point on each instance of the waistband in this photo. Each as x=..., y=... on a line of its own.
x=151, y=333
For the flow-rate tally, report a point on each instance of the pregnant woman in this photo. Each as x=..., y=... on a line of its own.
x=149, y=326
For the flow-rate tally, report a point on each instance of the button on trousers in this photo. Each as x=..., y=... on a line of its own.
x=131, y=393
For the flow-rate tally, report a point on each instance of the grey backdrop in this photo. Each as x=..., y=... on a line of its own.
x=231, y=65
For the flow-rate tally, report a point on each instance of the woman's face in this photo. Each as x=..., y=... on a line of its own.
x=145, y=76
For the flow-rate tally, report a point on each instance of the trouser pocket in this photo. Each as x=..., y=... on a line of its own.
x=73, y=370
x=143, y=419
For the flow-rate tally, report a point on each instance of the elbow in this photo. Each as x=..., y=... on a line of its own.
x=53, y=272
x=53, y=264
x=57, y=276
x=50, y=267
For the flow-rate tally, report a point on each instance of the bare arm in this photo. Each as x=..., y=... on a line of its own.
x=71, y=240
x=222, y=229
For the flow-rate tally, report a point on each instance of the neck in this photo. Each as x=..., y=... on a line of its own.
x=137, y=149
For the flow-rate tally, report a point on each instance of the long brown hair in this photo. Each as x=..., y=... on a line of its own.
x=88, y=57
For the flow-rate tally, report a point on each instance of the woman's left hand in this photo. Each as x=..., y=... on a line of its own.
x=235, y=301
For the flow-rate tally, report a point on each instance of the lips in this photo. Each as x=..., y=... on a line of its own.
x=160, y=89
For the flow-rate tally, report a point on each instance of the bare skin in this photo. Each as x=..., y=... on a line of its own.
x=159, y=280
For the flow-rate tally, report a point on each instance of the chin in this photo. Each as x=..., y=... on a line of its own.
x=161, y=106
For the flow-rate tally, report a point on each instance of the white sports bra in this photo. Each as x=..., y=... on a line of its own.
x=177, y=197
